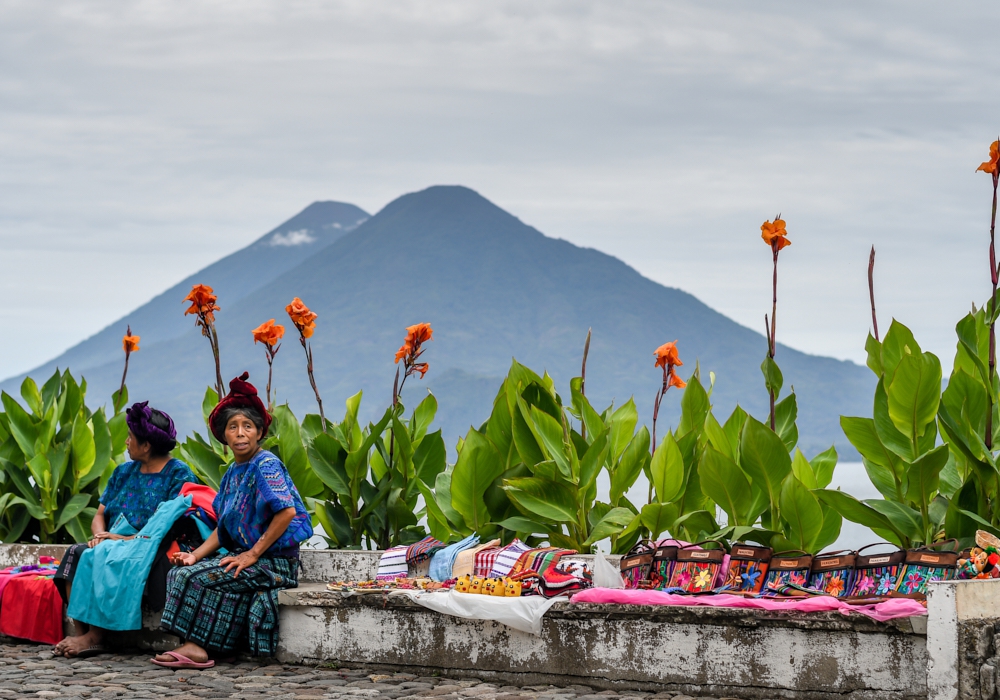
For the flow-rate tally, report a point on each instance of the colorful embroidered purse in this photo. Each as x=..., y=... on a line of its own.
x=791, y=567
x=877, y=574
x=635, y=565
x=922, y=566
x=747, y=569
x=833, y=573
x=696, y=568
x=664, y=561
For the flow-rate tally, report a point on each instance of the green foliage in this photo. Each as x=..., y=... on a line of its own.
x=55, y=457
x=899, y=445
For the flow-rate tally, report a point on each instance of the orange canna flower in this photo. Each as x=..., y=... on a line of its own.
x=268, y=333
x=302, y=317
x=130, y=343
x=416, y=336
x=666, y=355
x=674, y=380
x=990, y=166
x=203, y=303
x=774, y=234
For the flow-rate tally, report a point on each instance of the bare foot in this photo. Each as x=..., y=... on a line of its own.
x=188, y=649
x=72, y=646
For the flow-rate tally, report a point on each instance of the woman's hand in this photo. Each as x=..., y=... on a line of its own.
x=98, y=538
x=239, y=562
x=183, y=559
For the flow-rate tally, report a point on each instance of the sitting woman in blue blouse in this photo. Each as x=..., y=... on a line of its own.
x=218, y=604
x=129, y=500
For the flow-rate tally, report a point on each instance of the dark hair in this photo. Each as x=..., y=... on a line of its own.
x=226, y=414
x=161, y=445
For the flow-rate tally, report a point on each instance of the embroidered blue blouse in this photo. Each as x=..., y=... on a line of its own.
x=136, y=495
x=249, y=496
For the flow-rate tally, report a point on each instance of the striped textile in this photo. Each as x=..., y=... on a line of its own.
x=466, y=559
x=208, y=606
x=538, y=560
x=392, y=564
x=422, y=550
x=500, y=561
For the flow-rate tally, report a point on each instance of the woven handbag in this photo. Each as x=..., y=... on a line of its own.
x=923, y=565
x=748, y=566
x=877, y=574
x=788, y=568
x=833, y=573
x=636, y=564
x=696, y=568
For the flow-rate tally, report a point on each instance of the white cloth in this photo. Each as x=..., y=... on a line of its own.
x=522, y=613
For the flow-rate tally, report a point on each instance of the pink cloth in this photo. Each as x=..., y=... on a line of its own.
x=892, y=608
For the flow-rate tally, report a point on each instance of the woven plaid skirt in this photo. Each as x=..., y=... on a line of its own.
x=209, y=607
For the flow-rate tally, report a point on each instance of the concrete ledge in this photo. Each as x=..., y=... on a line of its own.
x=717, y=651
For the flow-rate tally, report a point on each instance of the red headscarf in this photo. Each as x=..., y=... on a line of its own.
x=242, y=394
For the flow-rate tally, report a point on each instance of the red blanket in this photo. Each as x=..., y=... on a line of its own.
x=32, y=609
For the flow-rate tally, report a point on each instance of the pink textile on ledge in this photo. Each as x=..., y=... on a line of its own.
x=887, y=610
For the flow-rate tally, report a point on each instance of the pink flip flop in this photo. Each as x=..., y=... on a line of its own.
x=182, y=661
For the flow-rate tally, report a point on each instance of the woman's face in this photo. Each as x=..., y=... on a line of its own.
x=137, y=451
x=242, y=436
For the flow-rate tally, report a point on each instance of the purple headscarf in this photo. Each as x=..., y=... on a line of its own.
x=139, y=421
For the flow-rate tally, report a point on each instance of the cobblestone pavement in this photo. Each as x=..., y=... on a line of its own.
x=33, y=671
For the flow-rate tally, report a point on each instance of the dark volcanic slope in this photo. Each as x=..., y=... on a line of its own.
x=232, y=277
x=493, y=288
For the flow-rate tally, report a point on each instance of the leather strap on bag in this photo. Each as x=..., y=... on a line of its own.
x=841, y=559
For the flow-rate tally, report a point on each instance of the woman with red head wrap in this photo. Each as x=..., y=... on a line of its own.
x=215, y=603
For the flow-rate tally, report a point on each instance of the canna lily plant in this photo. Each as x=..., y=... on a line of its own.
x=270, y=334
x=130, y=344
x=203, y=306
x=776, y=236
x=305, y=321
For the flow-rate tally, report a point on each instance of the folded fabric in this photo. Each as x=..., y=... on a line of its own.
x=12, y=572
x=465, y=561
x=524, y=614
x=444, y=560
x=503, y=560
x=32, y=608
x=887, y=610
x=538, y=559
x=392, y=564
x=423, y=550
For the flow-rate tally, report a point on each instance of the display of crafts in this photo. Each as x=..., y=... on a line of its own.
x=502, y=571
x=748, y=570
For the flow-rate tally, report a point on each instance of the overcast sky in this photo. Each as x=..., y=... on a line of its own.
x=141, y=141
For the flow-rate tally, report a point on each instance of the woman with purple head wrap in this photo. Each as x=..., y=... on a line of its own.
x=134, y=491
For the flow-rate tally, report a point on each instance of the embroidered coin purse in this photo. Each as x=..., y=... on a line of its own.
x=635, y=565
x=791, y=567
x=922, y=566
x=662, y=567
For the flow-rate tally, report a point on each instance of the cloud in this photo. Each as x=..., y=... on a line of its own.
x=292, y=238
x=143, y=141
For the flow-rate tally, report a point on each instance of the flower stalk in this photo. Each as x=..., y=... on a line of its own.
x=667, y=358
x=583, y=381
x=775, y=235
x=269, y=334
x=203, y=306
x=991, y=167
x=130, y=344
x=305, y=322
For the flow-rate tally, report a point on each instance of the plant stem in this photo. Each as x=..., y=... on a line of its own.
x=213, y=338
x=993, y=336
x=774, y=320
x=270, y=360
x=312, y=380
x=122, y=387
x=583, y=381
x=871, y=289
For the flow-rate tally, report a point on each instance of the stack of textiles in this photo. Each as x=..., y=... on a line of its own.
x=30, y=605
x=542, y=571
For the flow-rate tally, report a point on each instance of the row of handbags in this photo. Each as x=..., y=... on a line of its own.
x=757, y=570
